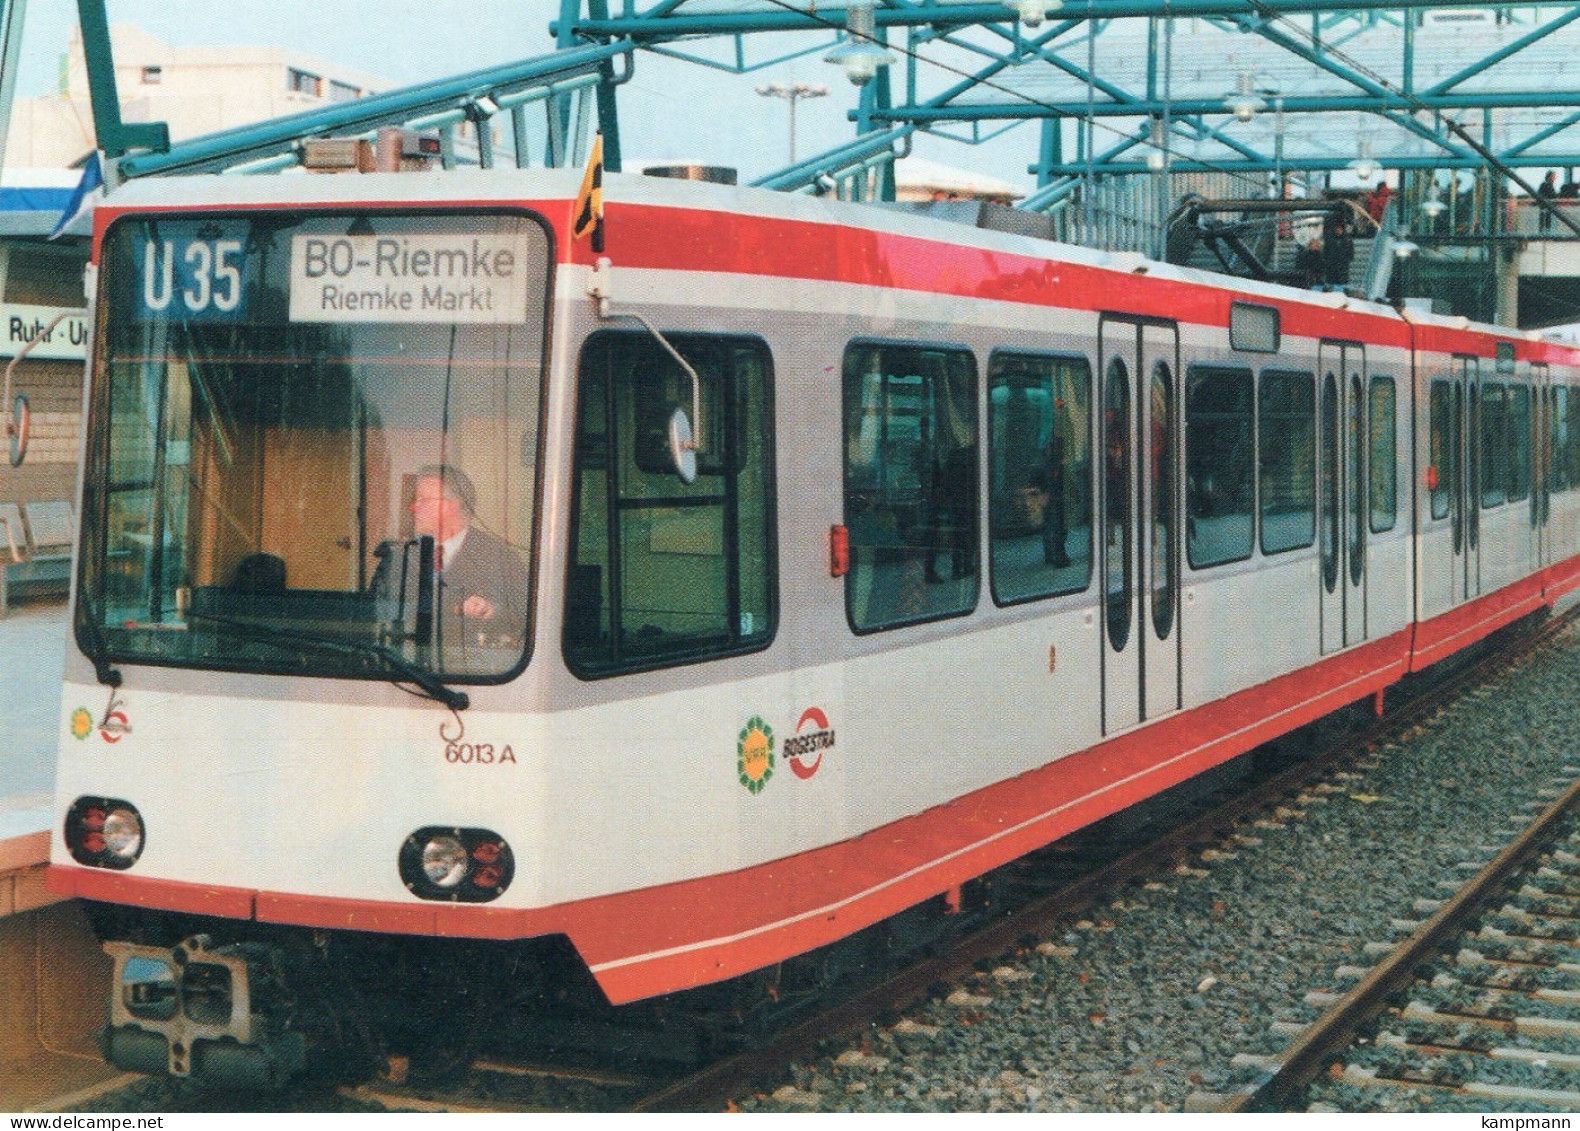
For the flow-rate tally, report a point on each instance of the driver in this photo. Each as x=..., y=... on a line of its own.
x=479, y=577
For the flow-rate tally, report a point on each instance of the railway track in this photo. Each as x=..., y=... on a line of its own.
x=1054, y=887
x=1480, y=1002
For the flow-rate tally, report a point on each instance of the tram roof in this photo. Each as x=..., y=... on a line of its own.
x=505, y=186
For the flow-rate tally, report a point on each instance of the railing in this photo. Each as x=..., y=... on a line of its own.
x=1525, y=217
x=852, y=171
x=450, y=105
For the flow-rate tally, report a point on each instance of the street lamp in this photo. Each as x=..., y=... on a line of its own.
x=792, y=93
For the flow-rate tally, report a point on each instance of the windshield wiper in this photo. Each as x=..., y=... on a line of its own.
x=99, y=648
x=413, y=672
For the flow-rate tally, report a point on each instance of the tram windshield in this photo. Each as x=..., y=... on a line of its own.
x=314, y=443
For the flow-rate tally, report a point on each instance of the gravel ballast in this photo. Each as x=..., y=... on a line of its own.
x=1151, y=1000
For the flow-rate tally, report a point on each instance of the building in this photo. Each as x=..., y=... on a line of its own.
x=40, y=280
x=196, y=90
x=916, y=178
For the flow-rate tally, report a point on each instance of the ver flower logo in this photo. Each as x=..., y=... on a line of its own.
x=754, y=754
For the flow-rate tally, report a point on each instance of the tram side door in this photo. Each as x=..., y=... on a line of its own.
x=1541, y=462
x=1344, y=506
x=1139, y=547
x=1465, y=491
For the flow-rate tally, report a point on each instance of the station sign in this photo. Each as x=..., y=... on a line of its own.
x=466, y=277
x=21, y=323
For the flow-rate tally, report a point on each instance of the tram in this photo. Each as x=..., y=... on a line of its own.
x=836, y=557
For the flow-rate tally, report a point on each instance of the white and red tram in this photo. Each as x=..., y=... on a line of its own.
x=981, y=538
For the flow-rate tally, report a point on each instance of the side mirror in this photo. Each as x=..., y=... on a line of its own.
x=18, y=428
x=682, y=446
x=19, y=422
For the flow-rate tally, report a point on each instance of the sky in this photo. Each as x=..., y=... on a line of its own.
x=669, y=111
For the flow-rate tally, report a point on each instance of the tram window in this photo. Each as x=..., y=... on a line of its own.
x=1442, y=469
x=663, y=571
x=1332, y=444
x=1039, y=481
x=1519, y=445
x=1120, y=566
x=1494, y=444
x=1287, y=436
x=1354, y=472
x=1220, y=468
x=1253, y=327
x=1558, y=412
x=1563, y=440
x=260, y=473
x=1164, y=478
x=1572, y=437
x=1382, y=422
x=910, y=483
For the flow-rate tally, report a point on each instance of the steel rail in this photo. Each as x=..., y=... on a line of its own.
x=1311, y=1052
x=706, y=1088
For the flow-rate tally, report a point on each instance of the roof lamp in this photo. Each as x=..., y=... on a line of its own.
x=1031, y=12
x=1433, y=208
x=1156, y=158
x=1404, y=249
x=860, y=54
x=1245, y=103
x=1364, y=166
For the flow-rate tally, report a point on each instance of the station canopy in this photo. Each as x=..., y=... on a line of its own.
x=1118, y=86
x=1419, y=85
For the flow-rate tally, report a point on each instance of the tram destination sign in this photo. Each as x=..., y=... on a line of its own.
x=410, y=277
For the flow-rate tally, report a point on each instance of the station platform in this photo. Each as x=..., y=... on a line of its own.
x=53, y=976
x=32, y=658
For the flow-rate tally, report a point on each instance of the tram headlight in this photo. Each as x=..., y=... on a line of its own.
x=457, y=865
x=444, y=861
x=123, y=833
x=104, y=832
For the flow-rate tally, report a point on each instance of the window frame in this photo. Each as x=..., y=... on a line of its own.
x=91, y=562
x=1440, y=429
x=1559, y=468
x=1572, y=449
x=1056, y=358
x=1242, y=315
x=1376, y=382
x=1493, y=481
x=1220, y=369
x=1310, y=377
x=1518, y=421
x=730, y=471
x=300, y=81
x=957, y=349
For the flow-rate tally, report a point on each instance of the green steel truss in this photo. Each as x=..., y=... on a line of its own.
x=1115, y=87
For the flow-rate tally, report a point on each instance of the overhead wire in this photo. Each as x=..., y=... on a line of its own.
x=1262, y=12
x=987, y=82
